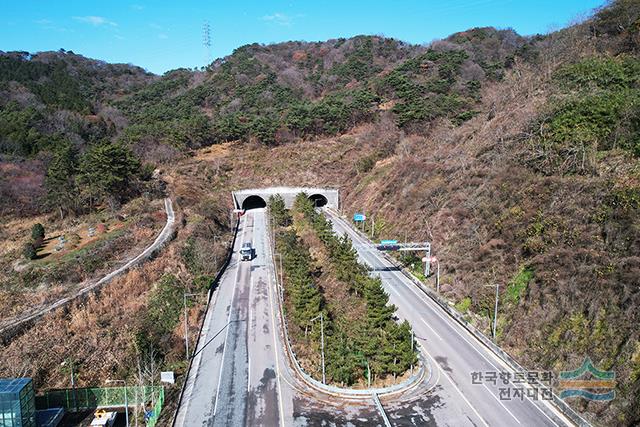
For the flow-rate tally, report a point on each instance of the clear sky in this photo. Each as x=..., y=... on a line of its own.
x=163, y=35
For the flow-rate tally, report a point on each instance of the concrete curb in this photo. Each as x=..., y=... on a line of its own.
x=407, y=384
x=166, y=234
x=565, y=409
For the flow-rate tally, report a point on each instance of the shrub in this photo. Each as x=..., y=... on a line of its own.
x=463, y=305
x=29, y=251
x=37, y=232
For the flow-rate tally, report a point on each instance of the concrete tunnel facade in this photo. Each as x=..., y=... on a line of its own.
x=258, y=197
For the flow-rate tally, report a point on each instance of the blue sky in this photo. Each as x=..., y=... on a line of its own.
x=161, y=36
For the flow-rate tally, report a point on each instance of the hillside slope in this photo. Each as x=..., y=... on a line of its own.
x=516, y=157
x=538, y=191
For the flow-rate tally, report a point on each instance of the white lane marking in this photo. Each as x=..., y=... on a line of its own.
x=275, y=350
x=432, y=330
x=429, y=302
x=248, y=329
x=462, y=395
x=500, y=402
x=226, y=335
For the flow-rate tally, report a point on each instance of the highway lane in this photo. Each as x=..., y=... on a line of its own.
x=233, y=380
x=453, y=352
x=241, y=374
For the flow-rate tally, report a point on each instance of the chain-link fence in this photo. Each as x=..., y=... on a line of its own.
x=80, y=399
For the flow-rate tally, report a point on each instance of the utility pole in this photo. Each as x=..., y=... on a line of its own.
x=413, y=339
x=321, y=316
x=495, y=313
x=215, y=254
x=373, y=225
x=438, y=276
x=71, y=362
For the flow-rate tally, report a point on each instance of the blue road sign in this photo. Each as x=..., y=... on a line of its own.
x=388, y=242
x=359, y=217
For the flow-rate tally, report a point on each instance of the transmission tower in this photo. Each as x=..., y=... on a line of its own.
x=206, y=41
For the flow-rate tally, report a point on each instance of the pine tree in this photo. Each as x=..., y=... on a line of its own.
x=60, y=179
x=278, y=211
x=106, y=173
x=379, y=312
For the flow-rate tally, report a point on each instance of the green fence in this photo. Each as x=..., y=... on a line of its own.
x=152, y=398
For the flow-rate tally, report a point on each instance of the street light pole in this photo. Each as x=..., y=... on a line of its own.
x=280, y=264
x=126, y=401
x=215, y=254
x=495, y=313
x=321, y=316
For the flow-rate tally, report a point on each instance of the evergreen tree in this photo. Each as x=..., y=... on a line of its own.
x=379, y=312
x=278, y=211
x=29, y=251
x=37, y=232
x=60, y=179
x=106, y=173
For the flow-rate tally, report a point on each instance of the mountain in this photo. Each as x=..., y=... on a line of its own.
x=516, y=157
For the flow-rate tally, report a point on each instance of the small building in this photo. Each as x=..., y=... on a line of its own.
x=17, y=402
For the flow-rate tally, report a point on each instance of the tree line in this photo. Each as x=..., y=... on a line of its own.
x=106, y=173
x=374, y=346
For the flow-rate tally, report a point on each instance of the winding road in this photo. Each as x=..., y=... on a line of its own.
x=454, y=355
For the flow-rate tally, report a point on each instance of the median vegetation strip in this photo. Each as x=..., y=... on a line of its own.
x=363, y=342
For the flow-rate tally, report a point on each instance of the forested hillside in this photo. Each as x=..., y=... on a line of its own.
x=517, y=157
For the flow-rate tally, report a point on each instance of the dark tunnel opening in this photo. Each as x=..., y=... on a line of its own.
x=253, y=202
x=318, y=200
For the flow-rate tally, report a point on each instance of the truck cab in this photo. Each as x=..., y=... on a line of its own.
x=246, y=252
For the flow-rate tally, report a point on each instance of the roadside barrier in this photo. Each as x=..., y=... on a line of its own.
x=9, y=331
x=410, y=382
x=561, y=405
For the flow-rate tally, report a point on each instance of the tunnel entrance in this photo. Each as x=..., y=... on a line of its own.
x=253, y=202
x=318, y=200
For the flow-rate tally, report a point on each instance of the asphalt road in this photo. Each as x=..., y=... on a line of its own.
x=453, y=354
x=240, y=374
x=233, y=381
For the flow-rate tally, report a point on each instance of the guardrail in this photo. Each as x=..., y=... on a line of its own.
x=213, y=285
x=413, y=380
x=488, y=343
x=7, y=332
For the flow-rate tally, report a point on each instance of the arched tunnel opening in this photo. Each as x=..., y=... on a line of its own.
x=253, y=202
x=318, y=200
